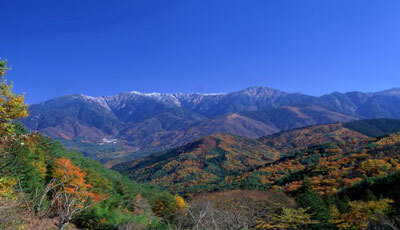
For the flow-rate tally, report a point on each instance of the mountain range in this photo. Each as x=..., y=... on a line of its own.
x=135, y=124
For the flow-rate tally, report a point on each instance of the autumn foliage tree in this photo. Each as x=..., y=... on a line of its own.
x=12, y=105
x=375, y=167
x=289, y=218
x=70, y=176
x=360, y=213
x=70, y=193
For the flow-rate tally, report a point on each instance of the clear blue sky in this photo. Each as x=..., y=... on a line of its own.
x=105, y=47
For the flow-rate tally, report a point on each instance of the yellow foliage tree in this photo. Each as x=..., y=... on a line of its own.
x=6, y=185
x=360, y=213
x=289, y=219
x=180, y=203
x=375, y=167
x=12, y=105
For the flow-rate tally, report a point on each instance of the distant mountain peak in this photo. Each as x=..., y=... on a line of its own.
x=392, y=91
x=254, y=91
x=259, y=88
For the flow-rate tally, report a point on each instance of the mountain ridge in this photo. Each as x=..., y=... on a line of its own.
x=152, y=121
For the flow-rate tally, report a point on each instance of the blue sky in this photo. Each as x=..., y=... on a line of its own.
x=106, y=47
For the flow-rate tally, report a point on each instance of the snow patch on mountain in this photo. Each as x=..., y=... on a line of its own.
x=177, y=99
x=98, y=100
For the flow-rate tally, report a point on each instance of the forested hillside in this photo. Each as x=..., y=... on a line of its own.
x=205, y=162
x=201, y=162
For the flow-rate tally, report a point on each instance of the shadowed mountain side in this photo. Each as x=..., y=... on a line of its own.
x=287, y=117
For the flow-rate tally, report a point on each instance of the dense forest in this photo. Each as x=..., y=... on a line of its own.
x=338, y=176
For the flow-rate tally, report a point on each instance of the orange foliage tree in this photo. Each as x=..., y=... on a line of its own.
x=71, y=193
x=71, y=176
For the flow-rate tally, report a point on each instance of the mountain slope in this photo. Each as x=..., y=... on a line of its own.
x=73, y=116
x=202, y=161
x=287, y=117
x=375, y=127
